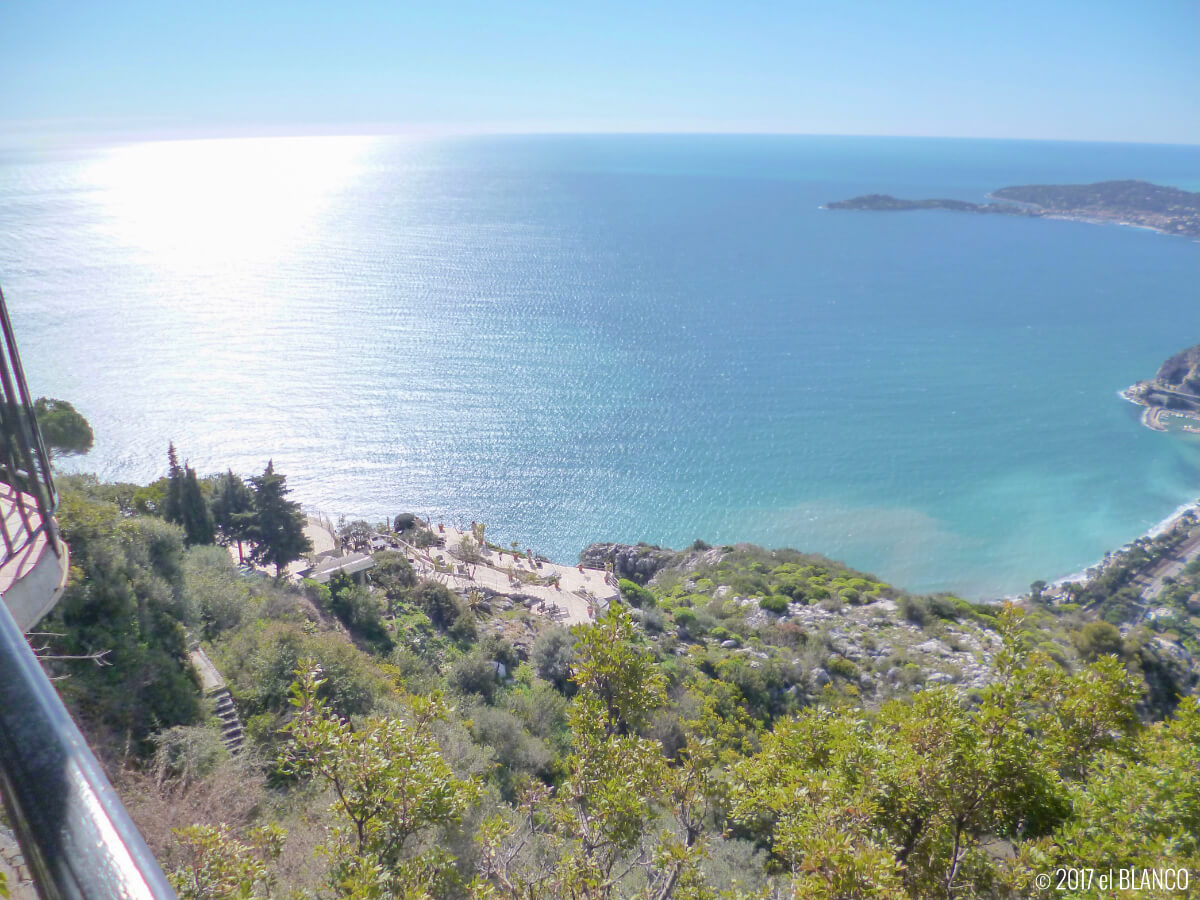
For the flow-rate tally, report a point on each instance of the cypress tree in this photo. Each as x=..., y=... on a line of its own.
x=184, y=504
x=197, y=520
x=172, y=509
x=278, y=522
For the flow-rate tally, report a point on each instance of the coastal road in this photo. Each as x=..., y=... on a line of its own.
x=1172, y=566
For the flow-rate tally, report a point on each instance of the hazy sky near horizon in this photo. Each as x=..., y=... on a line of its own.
x=1110, y=70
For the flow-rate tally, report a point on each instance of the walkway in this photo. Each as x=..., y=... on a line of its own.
x=580, y=595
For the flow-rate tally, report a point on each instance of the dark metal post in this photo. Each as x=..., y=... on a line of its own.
x=75, y=835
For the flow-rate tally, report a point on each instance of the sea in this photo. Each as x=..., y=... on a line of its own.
x=660, y=338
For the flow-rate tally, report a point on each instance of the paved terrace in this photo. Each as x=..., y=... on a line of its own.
x=581, y=593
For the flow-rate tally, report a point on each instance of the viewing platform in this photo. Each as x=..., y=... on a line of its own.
x=35, y=564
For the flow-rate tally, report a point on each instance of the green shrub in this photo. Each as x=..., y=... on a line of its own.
x=686, y=619
x=552, y=654
x=475, y=674
x=914, y=609
x=1097, y=639
x=635, y=595
x=839, y=665
x=775, y=603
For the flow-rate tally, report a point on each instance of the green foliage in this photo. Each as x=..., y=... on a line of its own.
x=614, y=671
x=774, y=603
x=259, y=663
x=552, y=655
x=393, y=574
x=64, y=431
x=906, y=799
x=1097, y=639
x=219, y=596
x=232, y=509
x=185, y=504
x=186, y=753
x=635, y=595
x=390, y=784
x=278, y=528
x=125, y=599
x=360, y=610
x=1139, y=807
x=218, y=866
x=475, y=674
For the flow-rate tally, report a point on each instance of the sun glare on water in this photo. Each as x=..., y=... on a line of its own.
x=229, y=202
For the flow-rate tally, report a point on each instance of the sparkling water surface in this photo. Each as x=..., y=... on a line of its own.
x=579, y=338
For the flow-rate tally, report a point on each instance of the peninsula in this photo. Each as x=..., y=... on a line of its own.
x=1174, y=390
x=1139, y=203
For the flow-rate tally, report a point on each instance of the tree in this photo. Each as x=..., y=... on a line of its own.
x=232, y=510
x=278, y=529
x=390, y=785
x=197, y=520
x=184, y=503
x=64, y=431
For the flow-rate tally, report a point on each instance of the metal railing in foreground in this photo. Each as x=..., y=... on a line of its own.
x=24, y=463
x=76, y=837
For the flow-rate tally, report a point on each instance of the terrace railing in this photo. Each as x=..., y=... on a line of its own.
x=77, y=840
x=26, y=480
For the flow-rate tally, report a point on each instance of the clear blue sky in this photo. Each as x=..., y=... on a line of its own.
x=1125, y=70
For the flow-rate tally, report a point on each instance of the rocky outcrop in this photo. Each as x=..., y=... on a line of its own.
x=1182, y=371
x=637, y=563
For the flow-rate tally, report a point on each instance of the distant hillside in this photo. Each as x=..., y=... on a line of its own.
x=1166, y=209
x=1173, y=393
x=1182, y=371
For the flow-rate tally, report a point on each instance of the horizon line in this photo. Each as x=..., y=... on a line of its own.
x=108, y=131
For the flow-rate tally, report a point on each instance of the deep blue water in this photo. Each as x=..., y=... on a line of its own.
x=623, y=337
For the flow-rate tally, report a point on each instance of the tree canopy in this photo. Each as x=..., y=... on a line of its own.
x=65, y=431
x=278, y=531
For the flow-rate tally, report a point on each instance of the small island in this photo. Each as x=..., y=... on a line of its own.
x=1174, y=391
x=1137, y=203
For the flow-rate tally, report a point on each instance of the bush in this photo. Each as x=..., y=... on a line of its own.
x=516, y=751
x=393, y=573
x=438, y=602
x=552, y=654
x=214, y=589
x=464, y=630
x=475, y=674
x=654, y=621
x=839, y=665
x=775, y=603
x=187, y=752
x=914, y=609
x=635, y=595
x=1097, y=639
x=686, y=620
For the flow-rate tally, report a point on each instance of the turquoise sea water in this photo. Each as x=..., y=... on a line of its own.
x=623, y=337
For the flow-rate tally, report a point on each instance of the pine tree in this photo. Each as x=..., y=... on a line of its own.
x=278, y=522
x=233, y=511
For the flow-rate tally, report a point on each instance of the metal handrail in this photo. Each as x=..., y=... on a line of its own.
x=75, y=836
x=24, y=462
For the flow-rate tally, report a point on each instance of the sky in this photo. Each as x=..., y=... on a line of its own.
x=1105, y=70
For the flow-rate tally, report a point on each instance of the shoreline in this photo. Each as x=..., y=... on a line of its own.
x=1160, y=528
x=1079, y=576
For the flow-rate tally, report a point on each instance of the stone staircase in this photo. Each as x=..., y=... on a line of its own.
x=232, y=733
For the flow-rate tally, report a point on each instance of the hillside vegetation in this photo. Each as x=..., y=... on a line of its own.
x=744, y=723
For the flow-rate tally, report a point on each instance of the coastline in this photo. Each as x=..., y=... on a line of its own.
x=1097, y=568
